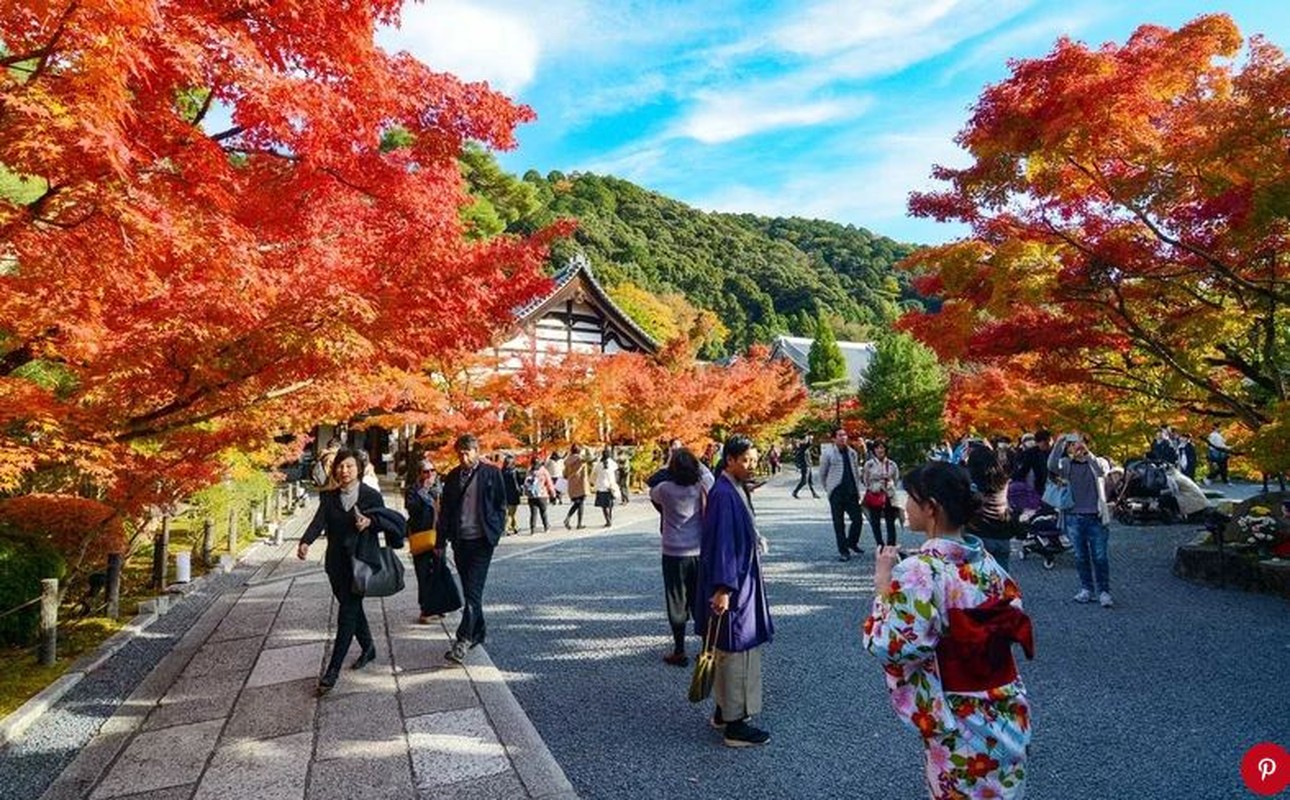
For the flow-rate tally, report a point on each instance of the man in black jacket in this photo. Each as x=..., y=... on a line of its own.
x=802, y=457
x=472, y=516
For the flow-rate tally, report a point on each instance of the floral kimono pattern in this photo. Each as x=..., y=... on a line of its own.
x=975, y=741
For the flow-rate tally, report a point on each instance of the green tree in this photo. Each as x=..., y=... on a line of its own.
x=902, y=397
x=826, y=366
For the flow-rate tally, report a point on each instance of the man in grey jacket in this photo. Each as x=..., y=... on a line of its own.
x=840, y=477
x=1086, y=517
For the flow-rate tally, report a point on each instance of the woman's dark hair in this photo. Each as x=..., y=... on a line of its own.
x=684, y=468
x=986, y=468
x=605, y=456
x=949, y=486
x=508, y=461
x=876, y=443
x=360, y=458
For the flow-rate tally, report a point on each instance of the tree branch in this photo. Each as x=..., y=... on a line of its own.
x=206, y=106
x=222, y=135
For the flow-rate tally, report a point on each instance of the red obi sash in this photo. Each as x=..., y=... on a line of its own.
x=975, y=654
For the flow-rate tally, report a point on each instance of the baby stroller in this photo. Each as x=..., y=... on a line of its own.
x=1144, y=495
x=1043, y=534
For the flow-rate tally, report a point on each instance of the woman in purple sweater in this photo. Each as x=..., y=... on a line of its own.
x=680, y=500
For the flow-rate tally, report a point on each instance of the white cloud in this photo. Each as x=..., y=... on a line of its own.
x=725, y=117
x=1033, y=38
x=639, y=163
x=872, y=192
x=836, y=25
x=471, y=42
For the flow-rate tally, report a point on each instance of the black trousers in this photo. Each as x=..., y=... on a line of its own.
x=806, y=480
x=680, y=582
x=575, y=506
x=351, y=622
x=841, y=507
x=1218, y=469
x=472, y=557
x=537, y=506
x=876, y=515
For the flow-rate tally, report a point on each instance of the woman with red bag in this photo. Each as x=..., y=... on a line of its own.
x=880, y=475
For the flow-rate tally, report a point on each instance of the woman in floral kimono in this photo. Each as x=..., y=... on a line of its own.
x=943, y=623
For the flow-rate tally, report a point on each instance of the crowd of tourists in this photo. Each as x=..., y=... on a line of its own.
x=957, y=684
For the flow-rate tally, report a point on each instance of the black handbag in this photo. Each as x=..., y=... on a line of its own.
x=383, y=580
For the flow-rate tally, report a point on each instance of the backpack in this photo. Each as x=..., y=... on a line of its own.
x=532, y=487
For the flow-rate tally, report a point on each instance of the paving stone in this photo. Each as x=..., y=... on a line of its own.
x=382, y=778
x=454, y=746
x=360, y=725
x=258, y=769
x=234, y=655
x=243, y=623
x=286, y=664
x=184, y=792
x=267, y=712
x=374, y=678
x=161, y=759
x=196, y=699
x=443, y=689
x=502, y=786
x=304, y=616
x=265, y=593
x=419, y=647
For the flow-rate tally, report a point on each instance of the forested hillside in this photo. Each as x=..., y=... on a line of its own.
x=762, y=277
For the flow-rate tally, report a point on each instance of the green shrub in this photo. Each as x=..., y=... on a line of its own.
x=24, y=562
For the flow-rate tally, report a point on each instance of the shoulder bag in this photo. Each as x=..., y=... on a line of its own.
x=705, y=663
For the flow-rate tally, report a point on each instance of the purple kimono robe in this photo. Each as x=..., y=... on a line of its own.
x=728, y=557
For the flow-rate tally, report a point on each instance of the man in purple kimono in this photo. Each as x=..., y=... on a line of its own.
x=731, y=587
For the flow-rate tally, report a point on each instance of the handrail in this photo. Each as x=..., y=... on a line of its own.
x=16, y=609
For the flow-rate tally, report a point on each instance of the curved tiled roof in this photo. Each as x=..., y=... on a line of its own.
x=580, y=266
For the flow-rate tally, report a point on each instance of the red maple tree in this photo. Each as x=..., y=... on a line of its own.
x=171, y=288
x=1128, y=222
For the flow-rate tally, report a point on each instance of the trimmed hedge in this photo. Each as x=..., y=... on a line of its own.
x=24, y=562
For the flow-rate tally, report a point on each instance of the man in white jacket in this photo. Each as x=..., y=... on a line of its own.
x=840, y=477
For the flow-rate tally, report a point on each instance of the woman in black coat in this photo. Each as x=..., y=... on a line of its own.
x=341, y=514
x=436, y=593
x=513, y=484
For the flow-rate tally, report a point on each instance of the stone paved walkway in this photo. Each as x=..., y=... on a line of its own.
x=230, y=713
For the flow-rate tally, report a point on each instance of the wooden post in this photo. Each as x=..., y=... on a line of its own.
x=160, y=546
x=208, y=541
x=114, y=585
x=48, y=621
x=232, y=532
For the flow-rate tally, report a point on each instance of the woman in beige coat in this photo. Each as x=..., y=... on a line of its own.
x=577, y=468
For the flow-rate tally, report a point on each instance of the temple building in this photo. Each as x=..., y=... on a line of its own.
x=797, y=350
x=576, y=316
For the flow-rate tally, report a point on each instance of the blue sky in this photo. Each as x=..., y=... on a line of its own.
x=815, y=108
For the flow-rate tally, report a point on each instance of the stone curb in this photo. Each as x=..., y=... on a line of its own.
x=541, y=774
x=13, y=726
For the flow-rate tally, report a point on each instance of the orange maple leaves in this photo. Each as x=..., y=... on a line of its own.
x=1127, y=213
x=198, y=285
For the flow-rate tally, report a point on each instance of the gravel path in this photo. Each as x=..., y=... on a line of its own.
x=1157, y=698
x=28, y=766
